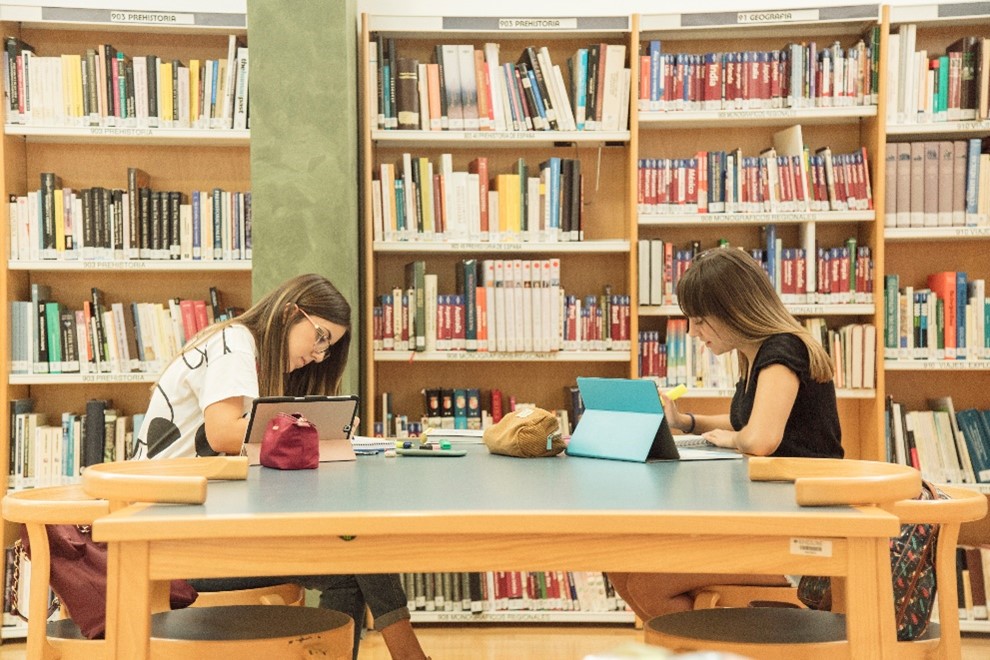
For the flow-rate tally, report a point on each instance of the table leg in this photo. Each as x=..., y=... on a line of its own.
x=128, y=602
x=870, y=600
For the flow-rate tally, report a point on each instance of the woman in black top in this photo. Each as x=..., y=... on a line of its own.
x=784, y=404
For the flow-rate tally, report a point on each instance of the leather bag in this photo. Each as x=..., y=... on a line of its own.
x=291, y=442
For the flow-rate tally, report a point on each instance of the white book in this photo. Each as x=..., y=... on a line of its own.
x=869, y=355
x=371, y=92
x=565, y=102
x=537, y=228
x=230, y=71
x=496, y=85
x=556, y=296
x=488, y=279
x=644, y=271
x=182, y=96
x=612, y=97
x=241, y=86
x=547, y=303
x=906, y=74
x=140, y=65
x=378, y=225
x=498, y=275
x=524, y=281
x=423, y=89
x=656, y=270
x=446, y=175
x=512, y=297
x=536, y=303
x=469, y=87
x=472, y=191
x=457, y=225
x=546, y=69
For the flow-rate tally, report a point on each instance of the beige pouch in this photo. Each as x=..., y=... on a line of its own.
x=526, y=433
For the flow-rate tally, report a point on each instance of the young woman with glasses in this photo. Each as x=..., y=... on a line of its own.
x=292, y=342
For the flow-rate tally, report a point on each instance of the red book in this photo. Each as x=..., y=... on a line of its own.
x=479, y=166
x=943, y=284
x=496, y=405
x=481, y=305
x=188, y=319
x=457, y=323
x=644, y=77
x=199, y=312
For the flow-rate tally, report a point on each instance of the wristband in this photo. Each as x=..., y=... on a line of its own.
x=691, y=428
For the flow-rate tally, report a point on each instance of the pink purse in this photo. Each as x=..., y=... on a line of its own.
x=291, y=442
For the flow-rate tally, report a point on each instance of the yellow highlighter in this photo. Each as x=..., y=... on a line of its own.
x=676, y=393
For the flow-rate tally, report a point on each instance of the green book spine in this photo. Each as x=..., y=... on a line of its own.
x=54, y=333
x=890, y=307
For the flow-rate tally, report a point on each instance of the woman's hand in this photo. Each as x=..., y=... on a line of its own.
x=675, y=418
x=721, y=438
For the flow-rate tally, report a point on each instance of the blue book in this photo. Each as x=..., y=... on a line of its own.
x=197, y=224
x=976, y=433
x=656, y=74
x=961, y=302
x=579, y=91
x=972, y=180
x=541, y=107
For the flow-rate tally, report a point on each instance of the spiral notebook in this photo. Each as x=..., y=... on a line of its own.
x=623, y=420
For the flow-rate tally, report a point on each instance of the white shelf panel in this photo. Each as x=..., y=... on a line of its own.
x=233, y=20
x=81, y=379
x=523, y=616
x=957, y=129
x=940, y=14
x=493, y=139
x=126, y=135
x=714, y=219
x=965, y=625
x=14, y=632
x=506, y=26
x=850, y=309
x=588, y=247
x=675, y=119
x=482, y=356
x=750, y=24
x=134, y=264
x=936, y=365
x=935, y=233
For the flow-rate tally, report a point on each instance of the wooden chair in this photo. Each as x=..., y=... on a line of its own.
x=801, y=633
x=195, y=633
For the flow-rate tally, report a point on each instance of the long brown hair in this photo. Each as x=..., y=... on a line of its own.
x=270, y=320
x=730, y=285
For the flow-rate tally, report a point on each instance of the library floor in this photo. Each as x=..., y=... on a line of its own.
x=521, y=642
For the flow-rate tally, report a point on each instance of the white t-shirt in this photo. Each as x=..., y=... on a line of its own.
x=224, y=367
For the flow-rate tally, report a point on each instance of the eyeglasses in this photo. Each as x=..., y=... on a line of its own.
x=322, y=344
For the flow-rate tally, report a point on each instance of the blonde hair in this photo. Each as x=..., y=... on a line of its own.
x=269, y=321
x=731, y=286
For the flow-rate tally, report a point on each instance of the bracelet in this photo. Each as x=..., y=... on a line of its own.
x=691, y=428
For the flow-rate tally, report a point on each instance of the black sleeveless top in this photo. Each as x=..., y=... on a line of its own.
x=812, y=428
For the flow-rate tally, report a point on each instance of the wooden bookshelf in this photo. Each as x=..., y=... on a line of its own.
x=182, y=159
x=679, y=132
x=603, y=257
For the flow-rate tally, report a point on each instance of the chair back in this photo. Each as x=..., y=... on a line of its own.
x=839, y=481
x=35, y=508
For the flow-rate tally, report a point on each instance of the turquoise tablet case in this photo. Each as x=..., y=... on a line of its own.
x=623, y=420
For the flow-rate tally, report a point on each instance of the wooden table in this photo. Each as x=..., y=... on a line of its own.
x=484, y=512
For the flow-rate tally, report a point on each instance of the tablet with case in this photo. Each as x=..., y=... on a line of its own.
x=333, y=417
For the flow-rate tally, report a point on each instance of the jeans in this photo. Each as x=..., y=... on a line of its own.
x=382, y=593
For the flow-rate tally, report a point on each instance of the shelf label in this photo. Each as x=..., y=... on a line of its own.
x=537, y=24
x=758, y=114
x=811, y=547
x=779, y=16
x=114, y=265
x=151, y=18
x=116, y=378
x=506, y=135
x=128, y=132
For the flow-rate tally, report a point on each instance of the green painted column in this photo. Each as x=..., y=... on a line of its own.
x=304, y=147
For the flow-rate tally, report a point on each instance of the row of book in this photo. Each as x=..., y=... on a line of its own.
x=471, y=89
x=47, y=451
x=947, y=319
x=49, y=337
x=104, y=87
x=728, y=182
x=950, y=84
x=674, y=357
x=497, y=591
x=948, y=446
x=100, y=224
x=799, y=75
x=937, y=183
x=511, y=305
x=813, y=275
x=973, y=582
x=412, y=200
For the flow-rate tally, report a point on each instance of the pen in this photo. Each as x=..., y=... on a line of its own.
x=676, y=393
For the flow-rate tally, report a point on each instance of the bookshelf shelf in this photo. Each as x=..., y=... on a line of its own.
x=82, y=379
x=127, y=135
x=481, y=356
x=521, y=247
x=848, y=309
x=936, y=365
x=937, y=233
x=93, y=18
x=943, y=129
x=974, y=626
x=678, y=119
x=496, y=139
x=135, y=264
x=523, y=616
x=732, y=219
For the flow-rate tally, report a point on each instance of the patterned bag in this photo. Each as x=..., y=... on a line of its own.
x=912, y=568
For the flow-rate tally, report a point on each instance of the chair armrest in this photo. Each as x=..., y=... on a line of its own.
x=178, y=480
x=828, y=481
